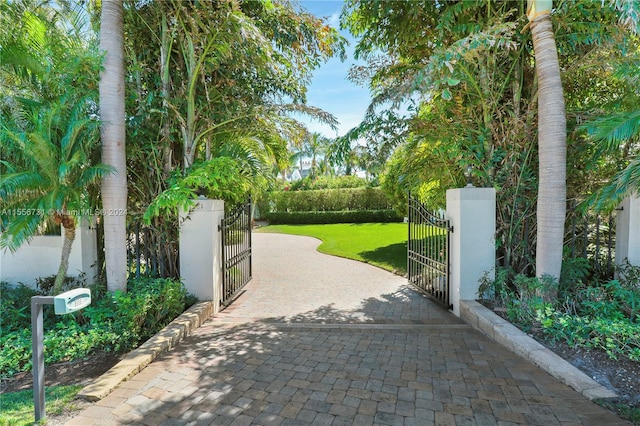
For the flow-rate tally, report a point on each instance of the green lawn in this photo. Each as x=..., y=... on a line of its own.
x=380, y=244
x=17, y=407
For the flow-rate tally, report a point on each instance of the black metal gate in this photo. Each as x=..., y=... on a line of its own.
x=236, y=251
x=428, y=252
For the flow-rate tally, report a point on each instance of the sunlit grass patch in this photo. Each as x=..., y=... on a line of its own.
x=17, y=408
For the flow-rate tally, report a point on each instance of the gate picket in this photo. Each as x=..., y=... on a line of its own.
x=236, y=251
x=428, y=252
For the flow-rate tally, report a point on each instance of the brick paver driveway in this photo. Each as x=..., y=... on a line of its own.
x=322, y=340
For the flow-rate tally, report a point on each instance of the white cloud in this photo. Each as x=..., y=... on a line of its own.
x=334, y=20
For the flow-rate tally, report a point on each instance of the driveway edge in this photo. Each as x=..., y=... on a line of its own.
x=139, y=358
x=508, y=335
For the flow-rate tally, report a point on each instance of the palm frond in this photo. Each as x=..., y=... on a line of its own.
x=19, y=231
x=629, y=13
x=54, y=199
x=93, y=174
x=311, y=111
x=23, y=61
x=624, y=183
x=613, y=130
x=247, y=151
x=14, y=183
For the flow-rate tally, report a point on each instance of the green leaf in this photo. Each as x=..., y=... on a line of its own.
x=452, y=81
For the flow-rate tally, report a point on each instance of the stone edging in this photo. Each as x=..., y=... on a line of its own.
x=508, y=335
x=139, y=358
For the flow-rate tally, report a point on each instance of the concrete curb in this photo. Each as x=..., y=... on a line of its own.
x=139, y=358
x=505, y=333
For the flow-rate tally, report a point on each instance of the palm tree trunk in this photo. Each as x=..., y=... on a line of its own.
x=69, y=226
x=112, y=115
x=552, y=137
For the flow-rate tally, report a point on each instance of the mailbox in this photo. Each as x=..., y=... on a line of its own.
x=65, y=303
x=71, y=301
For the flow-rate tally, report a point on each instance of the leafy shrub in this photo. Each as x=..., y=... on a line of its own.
x=218, y=178
x=45, y=284
x=330, y=200
x=117, y=321
x=575, y=270
x=615, y=337
x=15, y=307
x=15, y=352
x=615, y=299
x=600, y=316
x=66, y=341
x=135, y=315
x=326, y=182
x=521, y=296
x=629, y=275
x=321, y=217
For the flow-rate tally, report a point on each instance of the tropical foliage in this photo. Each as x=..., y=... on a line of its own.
x=460, y=81
x=210, y=93
x=49, y=168
x=316, y=147
x=231, y=72
x=617, y=137
x=210, y=88
x=115, y=322
x=603, y=317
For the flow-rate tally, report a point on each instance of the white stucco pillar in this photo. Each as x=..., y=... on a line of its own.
x=88, y=247
x=472, y=214
x=628, y=231
x=201, y=251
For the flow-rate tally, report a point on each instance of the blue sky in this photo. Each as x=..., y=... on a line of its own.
x=330, y=89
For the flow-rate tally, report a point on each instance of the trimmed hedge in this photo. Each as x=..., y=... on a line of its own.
x=326, y=200
x=324, y=217
x=326, y=182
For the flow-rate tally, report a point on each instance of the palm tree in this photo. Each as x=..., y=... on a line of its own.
x=48, y=171
x=112, y=115
x=315, y=147
x=48, y=132
x=552, y=137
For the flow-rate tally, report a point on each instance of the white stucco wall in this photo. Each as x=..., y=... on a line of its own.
x=41, y=258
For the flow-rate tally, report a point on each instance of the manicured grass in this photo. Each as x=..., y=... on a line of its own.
x=17, y=407
x=380, y=244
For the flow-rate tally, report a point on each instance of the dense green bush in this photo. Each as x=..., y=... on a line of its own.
x=15, y=307
x=616, y=337
x=326, y=182
x=329, y=200
x=345, y=216
x=605, y=316
x=114, y=322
